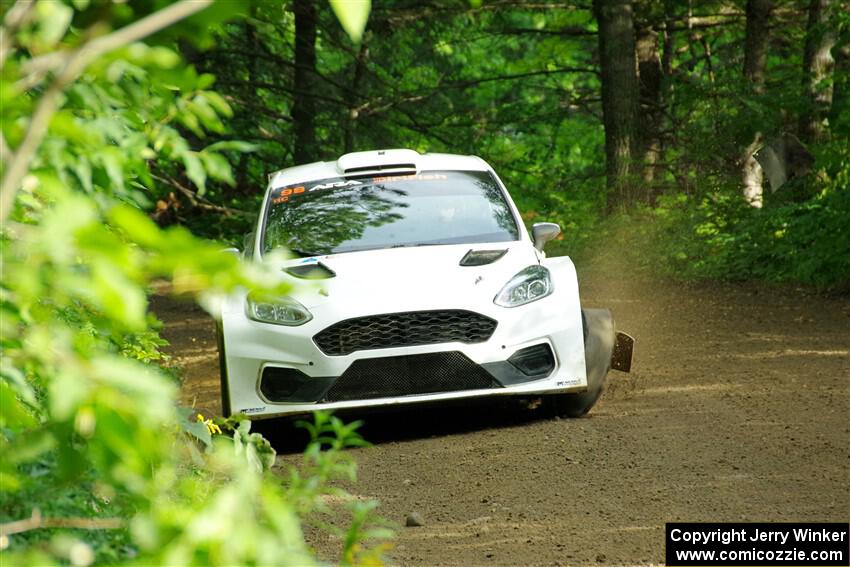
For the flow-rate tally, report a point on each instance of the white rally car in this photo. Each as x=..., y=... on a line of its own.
x=419, y=283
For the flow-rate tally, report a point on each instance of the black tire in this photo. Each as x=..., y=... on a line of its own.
x=598, y=330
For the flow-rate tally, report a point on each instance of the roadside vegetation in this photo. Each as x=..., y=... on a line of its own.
x=99, y=465
x=136, y=139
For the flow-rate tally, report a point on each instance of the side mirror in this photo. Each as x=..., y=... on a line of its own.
x=248, y=241
x=543, y=232
x=248, y=245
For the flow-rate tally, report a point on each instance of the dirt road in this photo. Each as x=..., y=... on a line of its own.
x=738, y=409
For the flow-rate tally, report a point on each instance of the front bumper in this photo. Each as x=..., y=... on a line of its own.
x=275, y=370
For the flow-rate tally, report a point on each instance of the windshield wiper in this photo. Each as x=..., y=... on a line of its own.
x=415, y=244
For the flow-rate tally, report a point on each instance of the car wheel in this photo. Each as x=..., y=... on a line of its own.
x=599, y=336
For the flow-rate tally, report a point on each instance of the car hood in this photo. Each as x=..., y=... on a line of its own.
x=412, y=278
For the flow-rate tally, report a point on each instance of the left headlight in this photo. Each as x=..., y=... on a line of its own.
x=529, y=285
x=277, y=311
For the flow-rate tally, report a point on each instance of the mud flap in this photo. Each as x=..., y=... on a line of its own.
x=621, y=358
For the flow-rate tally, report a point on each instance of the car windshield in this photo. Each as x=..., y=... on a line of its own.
x=347, y=215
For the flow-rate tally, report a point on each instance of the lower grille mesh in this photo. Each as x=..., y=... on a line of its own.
x=410, y=375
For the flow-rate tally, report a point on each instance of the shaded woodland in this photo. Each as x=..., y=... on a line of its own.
x=702, y=110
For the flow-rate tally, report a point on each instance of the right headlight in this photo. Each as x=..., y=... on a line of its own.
x=277, y=311
x=531, y=284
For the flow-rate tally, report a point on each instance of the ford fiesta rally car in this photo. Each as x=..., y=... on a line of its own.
x=424, y=286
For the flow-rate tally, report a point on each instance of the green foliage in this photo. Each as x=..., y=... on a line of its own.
x=89, y=429
x=723, y=238
x=520, y=87
x=353, y=15
x=424, y=78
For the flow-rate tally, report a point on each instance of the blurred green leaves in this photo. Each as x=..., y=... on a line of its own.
x=89, y=426
x=353, y=15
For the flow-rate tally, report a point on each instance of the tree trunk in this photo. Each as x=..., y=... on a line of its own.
x=619, y=98
x=756, y=42
x=649, y=74
x=244, y=184
x=351, y=97
x=841, y=90
x=817, y=70
x=755, y=61
x=303, y=104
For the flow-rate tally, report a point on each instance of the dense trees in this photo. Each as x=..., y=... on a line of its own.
x=587, y=107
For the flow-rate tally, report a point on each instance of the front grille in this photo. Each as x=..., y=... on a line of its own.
x=404, y=329
x=409, y=375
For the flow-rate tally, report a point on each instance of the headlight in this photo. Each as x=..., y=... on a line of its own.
x=277, y=310
x=529, y=285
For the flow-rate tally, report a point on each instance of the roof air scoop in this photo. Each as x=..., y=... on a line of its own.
x=381, y=161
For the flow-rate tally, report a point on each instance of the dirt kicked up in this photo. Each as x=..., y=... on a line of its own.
x=737, y=409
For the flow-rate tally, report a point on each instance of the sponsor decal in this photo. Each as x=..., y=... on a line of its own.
x=335, y=185
x=253, y=410
x=284, y=194
x=420, y=177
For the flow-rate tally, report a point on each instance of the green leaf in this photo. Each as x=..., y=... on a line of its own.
x=113, y=162
x=195, y=171
x=18, y=382
x=53, y=19
x=13, y=413
x=67, y=391
x=9, y=480
x=205, y=113
x=198, y=430
x=143, y=384
x=190, y=121
x=29, y=446
x=163, y=57
x=205, y=81
x=83, y=170
x=217, y=167
x=137, y=226
x=234, y=145
x=218, y=103
x=119, y=297
x=353, y=15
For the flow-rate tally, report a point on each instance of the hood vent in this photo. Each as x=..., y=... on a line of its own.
x=481, y=257
x=316, y=271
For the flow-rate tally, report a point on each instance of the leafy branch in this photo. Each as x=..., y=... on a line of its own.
x=70, y=65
